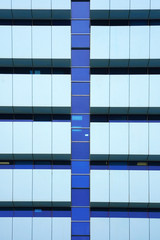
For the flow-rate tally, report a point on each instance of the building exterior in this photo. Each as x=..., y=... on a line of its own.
x=79, y=120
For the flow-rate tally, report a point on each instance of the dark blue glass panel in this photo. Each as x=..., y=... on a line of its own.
x=80, y=121
x=80, y=150
x=80, y=9
x=80, y=134
x=80, y=104
x=80, y=58
x=99, y=167
x=42, y=165
x=80, y=238
x=40, y=213
x=61, y=214
x=80, y=228
x=80, y=41
x=138, y=214
x=80, y=197
x=99, y=213
x=134, y=167
x=80, y=214
x=5, y=166
x=80, y=181
x=24, y=213
x=6, y=213
x=23, y=164
x=80, y=88
x=118, y=214
x=154, y=214
x=80, y=74
x=80, y=167
x=80, y=26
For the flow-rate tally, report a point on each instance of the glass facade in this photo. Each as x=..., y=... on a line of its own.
x=79, y=119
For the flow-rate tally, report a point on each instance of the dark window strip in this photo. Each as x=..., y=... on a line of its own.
x=80, y=48
x=125, y=165
x=126, y=212
x=121, y=22
x=118, y=117
x=35, y=212
x=41, y=164
x=36, y=117
x=22, y=22
x=22, y=70
x=129, y=70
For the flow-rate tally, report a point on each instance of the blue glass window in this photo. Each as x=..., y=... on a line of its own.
x=80, y=74
x=80, y=167
x=80, y=104
x=80, y=58
x=80, y=238
x=80, y=121
x=80, y=41
x=80, y=213
x=80, y=228
x=80, y=9
x=80, y=88
x=80, y=134
x=61, y=213
x=23, y=213
x=80, y=26
x=80, y=197
x=80, y=181
x=80, y=150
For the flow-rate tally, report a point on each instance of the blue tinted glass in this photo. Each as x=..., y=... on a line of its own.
x=118, y=214
x=79, y=121
x=42, y=213
x=80, y=58
x=80, y=167
x=99, y=213
x=80, y=134
x=80, y=181
x=80, y=9
x=19, y=213
x=6, y=213
x=80, y=104
x=80, y=197
x=138, y=214
x=80, y=26
x=80, y=150
x=80, y=228
x=80, y=213
x=80, y=88
x=80, y=238
x=23, y=164
x=80, y=74
x=61, y=213
x=80, y=41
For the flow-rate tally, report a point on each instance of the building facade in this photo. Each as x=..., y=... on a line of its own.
x=79, y=120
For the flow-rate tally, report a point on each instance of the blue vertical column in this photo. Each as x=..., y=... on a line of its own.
x=80, y=24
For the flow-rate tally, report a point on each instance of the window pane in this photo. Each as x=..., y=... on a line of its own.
x=80, y=121
x=80, y=58
x=80, y=213
x=80, y=167
x=80, y=150
x=80, y=181
x=80, y=26
x=80, y=105
x=80, y=228
x=80, y=197
x=80, y=9
x=80, y=41
x=80, y=74
x=80, y=134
